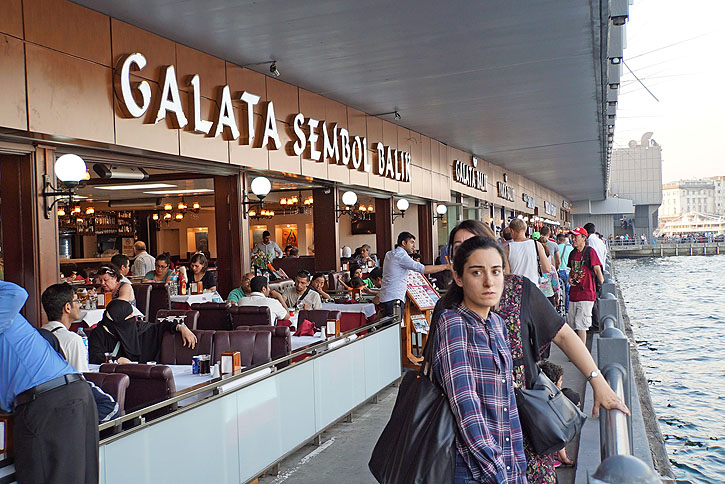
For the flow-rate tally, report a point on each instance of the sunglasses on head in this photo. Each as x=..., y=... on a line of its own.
x=106, y=270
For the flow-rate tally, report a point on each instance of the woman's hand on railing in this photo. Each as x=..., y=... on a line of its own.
x=605, y=397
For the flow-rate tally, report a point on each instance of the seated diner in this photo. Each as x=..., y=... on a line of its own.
x=121, y=338
x=161, y=271
x=301, y=296
x=199, y=272
x=111, y=280
x=318, y=285
x=260, y=297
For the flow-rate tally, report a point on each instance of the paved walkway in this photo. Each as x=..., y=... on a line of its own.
x=343, y=456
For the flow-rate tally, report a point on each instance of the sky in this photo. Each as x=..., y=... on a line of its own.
x=677, y=49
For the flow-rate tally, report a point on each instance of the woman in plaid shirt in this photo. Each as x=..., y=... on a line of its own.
x=473, y=365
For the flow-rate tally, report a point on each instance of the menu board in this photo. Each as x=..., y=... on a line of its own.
x=420, y=291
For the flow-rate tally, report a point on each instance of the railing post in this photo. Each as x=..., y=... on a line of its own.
x=623, y=469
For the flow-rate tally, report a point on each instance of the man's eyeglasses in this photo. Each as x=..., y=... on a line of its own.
x=161, y=267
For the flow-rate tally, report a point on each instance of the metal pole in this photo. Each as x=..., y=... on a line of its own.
x=613, y=423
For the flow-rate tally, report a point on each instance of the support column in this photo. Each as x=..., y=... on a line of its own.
x=326, y=230
x=383, y=226
x=30, y=241
x=231, y=229
x=426, y=243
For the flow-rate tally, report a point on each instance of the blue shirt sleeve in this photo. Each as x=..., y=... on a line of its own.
x=12, y=299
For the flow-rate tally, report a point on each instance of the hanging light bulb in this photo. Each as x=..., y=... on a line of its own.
x=371, y=208
x=363, y=208
x=271, y=213
x=181, y=206
x=283, y=201
x=196, y=207
x=155, y=216
x=167, y=216
x=252, y=213
x=79, y=221
x=294, y=200
x=76, y=209
x=168, y=207
x=179, y=217
x=90, y=211
x=61, y=212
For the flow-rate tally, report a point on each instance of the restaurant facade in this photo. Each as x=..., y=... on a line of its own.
x=127, y=100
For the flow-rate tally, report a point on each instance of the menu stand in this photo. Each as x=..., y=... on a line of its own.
x=419, y=303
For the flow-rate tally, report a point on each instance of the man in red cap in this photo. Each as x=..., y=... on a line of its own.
x=584, y=265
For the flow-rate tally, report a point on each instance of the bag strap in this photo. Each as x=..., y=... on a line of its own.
x=538, y=259
x=116, y=349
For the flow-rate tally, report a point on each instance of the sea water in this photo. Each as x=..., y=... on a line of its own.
x=676, y=306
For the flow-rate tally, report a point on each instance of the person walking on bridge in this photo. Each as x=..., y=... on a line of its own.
x=526, y=256
x=584, y=266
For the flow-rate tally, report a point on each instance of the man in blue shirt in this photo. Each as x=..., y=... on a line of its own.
x=56, y=427
x=396, y=264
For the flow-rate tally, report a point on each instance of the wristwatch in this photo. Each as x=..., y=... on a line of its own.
x=593, y=374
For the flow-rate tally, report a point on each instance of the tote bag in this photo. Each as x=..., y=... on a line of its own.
x=417, y=445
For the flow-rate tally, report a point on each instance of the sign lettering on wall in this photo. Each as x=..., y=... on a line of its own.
x=312, y=138
x=565, y=205
x=528, y=200
x=549, y=208
x=469, y=175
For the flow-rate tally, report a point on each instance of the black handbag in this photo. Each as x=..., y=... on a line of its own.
x=548, y=418
x=417, y=445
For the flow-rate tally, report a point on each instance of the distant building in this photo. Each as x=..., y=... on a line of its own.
x=635, y=192
x=701, y=195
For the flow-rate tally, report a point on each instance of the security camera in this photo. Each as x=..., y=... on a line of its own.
x=397, y=115
x=118, y=172
x=273, y=69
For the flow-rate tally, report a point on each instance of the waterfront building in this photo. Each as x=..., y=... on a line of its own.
x=634, y=192
x=689, y=196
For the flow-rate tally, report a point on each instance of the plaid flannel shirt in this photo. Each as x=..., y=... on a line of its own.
x=473, y=364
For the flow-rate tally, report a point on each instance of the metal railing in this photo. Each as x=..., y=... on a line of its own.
x=615, y=426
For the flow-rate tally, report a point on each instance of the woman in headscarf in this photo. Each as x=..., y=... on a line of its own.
x=127, y=339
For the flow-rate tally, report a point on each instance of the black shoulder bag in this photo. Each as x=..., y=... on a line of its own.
x=417, y=445
x=548, y=418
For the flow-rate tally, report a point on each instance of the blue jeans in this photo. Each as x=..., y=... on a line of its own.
x=563, y=275
x=462, y=475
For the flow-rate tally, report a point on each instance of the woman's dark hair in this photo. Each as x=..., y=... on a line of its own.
x=479, y=229
x=164, y=258
x=111, y=269
x=319, y=274
x=200, y=258
x=353, y=268
x=454, y=296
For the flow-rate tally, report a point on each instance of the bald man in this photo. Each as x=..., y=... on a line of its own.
x=144, y=262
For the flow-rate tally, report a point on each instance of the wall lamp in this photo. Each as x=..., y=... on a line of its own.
x=395, y=114
x=402, y=205
x=272, y=66
x=260, y=187
x=349, y=199
x=70, y=170
x=441, y=210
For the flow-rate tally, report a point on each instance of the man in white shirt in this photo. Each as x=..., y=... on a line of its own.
x=63, y=307
x=144, y=262
x=268, y=246
x=260, y=297
x=301, y=295
x=396, y=265
x=597, y=244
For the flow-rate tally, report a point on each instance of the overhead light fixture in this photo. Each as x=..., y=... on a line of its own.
x=155, y=216
x=182, y=206
x=402, y=205
x=168, y=207
x=371, y=208
x=61, y=212
x=90, y=211
x=272, y=66
x=273, y=69
x=180, y=192
x=167, y=216
x=145, y=186
x=69, y=170
x=179, y=217
x=195, y=207
x=396, y=114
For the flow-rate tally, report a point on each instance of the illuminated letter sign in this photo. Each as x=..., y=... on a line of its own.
x=470, y=176
x=529, y=200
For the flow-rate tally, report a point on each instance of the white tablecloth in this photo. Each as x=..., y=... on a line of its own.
x=93, y=316
x=184, y=378
x=368, y=309
x=196, y=298
x=300, y=341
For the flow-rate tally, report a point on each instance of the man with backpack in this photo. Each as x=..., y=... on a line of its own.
x=584, y=265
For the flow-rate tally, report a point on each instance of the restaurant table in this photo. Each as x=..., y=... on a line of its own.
x=185, y=379
x=185, y=302
x=353, y=315
x=93, y=316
